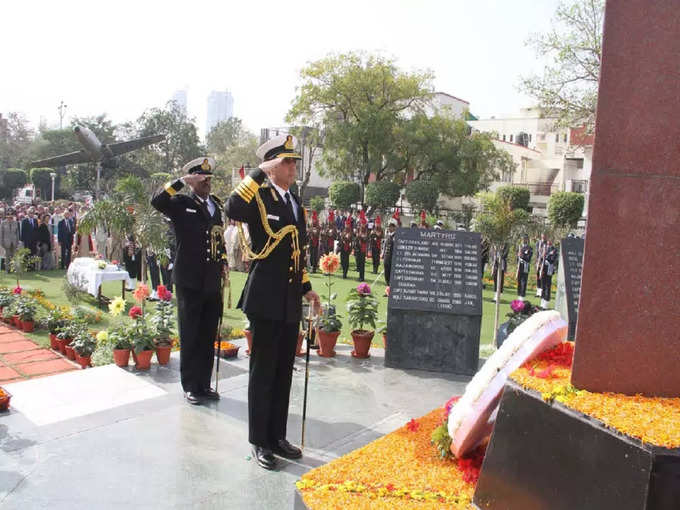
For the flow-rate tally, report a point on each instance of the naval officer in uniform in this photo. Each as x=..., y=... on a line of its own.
x=272, y=295
x=198, y=271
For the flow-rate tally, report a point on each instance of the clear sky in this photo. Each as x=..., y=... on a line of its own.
x=125, y=56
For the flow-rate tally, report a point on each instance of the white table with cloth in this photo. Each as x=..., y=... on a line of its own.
x=85, y=274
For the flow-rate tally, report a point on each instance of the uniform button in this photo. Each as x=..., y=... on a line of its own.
x=290, y=280
x=207, y=259
x=207, y=250
x=290, y=268
x=207, y=232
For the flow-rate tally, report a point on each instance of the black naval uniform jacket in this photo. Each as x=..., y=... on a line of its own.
x=274, y=288
x=200, y=253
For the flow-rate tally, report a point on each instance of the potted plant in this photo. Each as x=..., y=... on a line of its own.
x=329, y=323
x=55, y=320
x=141, y=337
x=8, y=313
x=26, y=310
x=84, y=345
x=6, y=298
x=162, y=321
x=363, y=311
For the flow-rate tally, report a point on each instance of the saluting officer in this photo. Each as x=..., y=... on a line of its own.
x=272, y=295
x=197, y=271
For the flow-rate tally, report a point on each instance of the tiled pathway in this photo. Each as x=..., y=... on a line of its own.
x=21, y=358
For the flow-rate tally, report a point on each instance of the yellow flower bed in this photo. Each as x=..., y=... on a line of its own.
x=654, y=421
x=400, y=470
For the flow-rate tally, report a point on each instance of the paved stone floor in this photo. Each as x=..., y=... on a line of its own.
x=21, y=358
x=114, y=438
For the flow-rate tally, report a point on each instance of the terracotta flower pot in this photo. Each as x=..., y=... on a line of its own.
x=7, y=320
x=27, y=326
x=298, y=349
x=143, y=361
x=15, y=321
x=163, y=354
x=249, y=338
x=4, y=400
x=54, y=343
x=70, y=353
x=362, y=342
x=327, y=342
x=83, y=361
x=121, y=357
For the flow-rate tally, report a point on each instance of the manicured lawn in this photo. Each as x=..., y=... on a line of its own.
x=51, y=282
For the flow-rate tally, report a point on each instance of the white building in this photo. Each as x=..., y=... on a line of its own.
x=220, y=108
x=180, y=97
x=443, y=103
x=548, y=159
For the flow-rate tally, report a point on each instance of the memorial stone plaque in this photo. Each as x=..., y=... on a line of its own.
x=435, y=305
x=571, y=249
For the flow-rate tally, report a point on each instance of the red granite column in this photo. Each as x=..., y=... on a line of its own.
x=628, y=333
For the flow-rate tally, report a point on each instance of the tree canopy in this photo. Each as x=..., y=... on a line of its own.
x=567, y=88
x=358, y=98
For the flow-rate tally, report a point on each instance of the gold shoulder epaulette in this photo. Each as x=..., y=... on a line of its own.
x=247, y=189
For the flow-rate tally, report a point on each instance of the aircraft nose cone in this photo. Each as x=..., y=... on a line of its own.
x=76, y=129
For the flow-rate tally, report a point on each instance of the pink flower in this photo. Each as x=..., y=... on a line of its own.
x=135, y=312
x=163, y=293
x=17, y=290
x=114, y=262
x=141, y=293
x=517, y=305
x=364, y=289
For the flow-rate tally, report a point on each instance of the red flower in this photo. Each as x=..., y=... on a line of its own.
x=472, y=464
x=562, y=356
x=114, y=262
x=163, y=293
x=135, y=312
x=413, y=425
x=17, y=290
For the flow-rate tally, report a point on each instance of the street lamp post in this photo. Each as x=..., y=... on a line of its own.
x=53, y=175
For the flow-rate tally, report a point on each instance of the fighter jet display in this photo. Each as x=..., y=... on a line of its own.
x=94, y=151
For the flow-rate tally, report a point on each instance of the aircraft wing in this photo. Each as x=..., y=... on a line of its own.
x=72, y=158
x=123, y=147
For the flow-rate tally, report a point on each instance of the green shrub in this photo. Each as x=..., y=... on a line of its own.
x=382, y=195
x=343, y=194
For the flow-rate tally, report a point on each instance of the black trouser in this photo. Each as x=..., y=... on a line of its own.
x=65, y=255
x=375, y=256
x=522, y=283
x=360, y=259
x=344, y=262
x=271, y=370
x=546, y=283
x=388, y=269
x=197, y=316
x=538, y=279
x=154, y=272
x=167, y=277
x=133, y=267
x=314, y=257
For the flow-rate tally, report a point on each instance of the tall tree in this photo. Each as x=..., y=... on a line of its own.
x=441, y=150
x=226, y=134
x=15, y=143
x=310, y=139
x=181, y=142
x=567, y=89
x=358, y=98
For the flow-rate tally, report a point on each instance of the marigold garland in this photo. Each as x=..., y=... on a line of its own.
x=651, y=420
x=399, y=470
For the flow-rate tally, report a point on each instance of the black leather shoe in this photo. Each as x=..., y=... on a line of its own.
x=210, y=394
x=193, y=398
x=264, y=457
x=287, y=450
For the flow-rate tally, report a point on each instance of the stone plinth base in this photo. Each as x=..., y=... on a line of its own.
x=544, y=456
